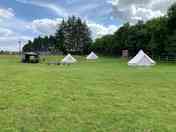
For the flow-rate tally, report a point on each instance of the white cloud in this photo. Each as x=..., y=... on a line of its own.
x=6, y=13
x=49, y=26
x=9, y=39
x=99, y=30
x=5, y=32
x=134, y=10
x=46, y=26
x=11, y=43
x=10, y=32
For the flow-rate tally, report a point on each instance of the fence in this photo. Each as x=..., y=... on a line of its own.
x=170, y=59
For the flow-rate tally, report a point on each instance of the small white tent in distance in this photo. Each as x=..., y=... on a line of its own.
x=92, y=56
x=68, y=59
x=141, y=59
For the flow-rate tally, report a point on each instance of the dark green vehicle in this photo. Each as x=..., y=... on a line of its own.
x=30, y=57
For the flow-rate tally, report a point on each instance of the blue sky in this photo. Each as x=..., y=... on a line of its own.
x=26, y=19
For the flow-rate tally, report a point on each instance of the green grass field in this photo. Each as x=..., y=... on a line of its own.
x=101, y=96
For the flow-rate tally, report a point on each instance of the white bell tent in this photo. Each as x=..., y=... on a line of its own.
x=92, y=56
x=68, y=59
x=141, y=59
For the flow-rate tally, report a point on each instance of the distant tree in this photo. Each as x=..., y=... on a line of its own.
x=158, y=31
x=60, y=37
x=28, y=47
x=138, y=38
x=105, y=45
x=172, y=17
x=73, y=35
x=121, y=36
x=171, y=47
x=156, y=36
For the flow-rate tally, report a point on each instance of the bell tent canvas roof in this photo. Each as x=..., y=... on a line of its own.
x=69, y=59
x=92, y=56
x=141, y=59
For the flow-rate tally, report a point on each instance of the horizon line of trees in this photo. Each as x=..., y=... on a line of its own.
x=72, y=36
x=157, y=37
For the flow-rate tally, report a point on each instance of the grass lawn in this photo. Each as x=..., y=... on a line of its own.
x=101, y=96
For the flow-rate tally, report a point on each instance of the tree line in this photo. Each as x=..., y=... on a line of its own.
x=72, y=35
x=157, y=37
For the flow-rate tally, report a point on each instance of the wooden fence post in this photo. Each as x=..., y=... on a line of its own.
x=167, y=58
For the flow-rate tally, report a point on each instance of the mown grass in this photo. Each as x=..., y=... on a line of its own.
x=101, y=96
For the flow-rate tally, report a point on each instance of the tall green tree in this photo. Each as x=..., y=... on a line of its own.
x=28, y=47
x=60, y=37
x=172, y=17
x=73, y=35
